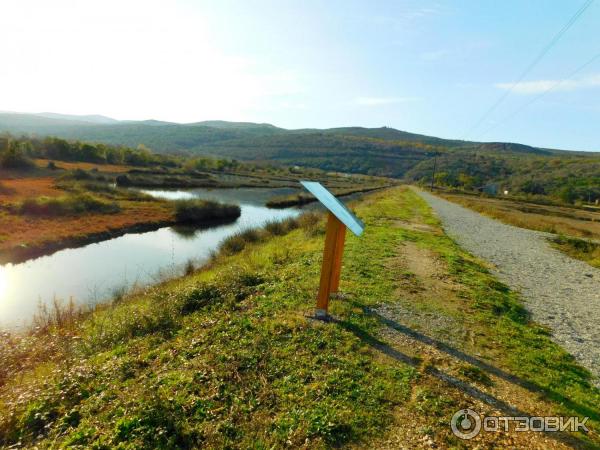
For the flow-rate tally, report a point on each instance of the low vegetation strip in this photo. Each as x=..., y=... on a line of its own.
x=226, y=357
x=67, y=205
x=547, y=218
x=582, y=249
x=203, y=211
x=304, y=198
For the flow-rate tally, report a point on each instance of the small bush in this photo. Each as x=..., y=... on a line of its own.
x=67, y=205
x=198, y=298
x=310, y=222
x=198, y=211
x=15, y=157
x=77, y=174
x=238, y=241
x=189, y=267
x=275, y=227
x=123, y=180
x=281, y=227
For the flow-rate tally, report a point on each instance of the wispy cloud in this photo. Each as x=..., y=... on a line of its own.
x=539, y=86
x=378, y=101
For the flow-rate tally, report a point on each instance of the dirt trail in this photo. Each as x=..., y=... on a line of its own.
x=560, y=292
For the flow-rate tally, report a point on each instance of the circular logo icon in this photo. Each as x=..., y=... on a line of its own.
x=466, y=424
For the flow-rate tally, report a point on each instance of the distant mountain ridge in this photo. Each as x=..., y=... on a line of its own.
x=126, y=132
x=92, y=118
x=382, y=151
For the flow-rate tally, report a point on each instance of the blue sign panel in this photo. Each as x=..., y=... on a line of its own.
x=337, y=208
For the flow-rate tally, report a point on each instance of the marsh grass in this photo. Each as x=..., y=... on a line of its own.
x=302, y=198
x=58, y=315
x=201, y=211
x=67, y=205
x=189, y=267
x=105, y=189
x=309, y=221
x=290, y=200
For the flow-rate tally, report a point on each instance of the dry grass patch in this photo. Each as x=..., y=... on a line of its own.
x=110, y=168
x=551, y=219
x=19, y=189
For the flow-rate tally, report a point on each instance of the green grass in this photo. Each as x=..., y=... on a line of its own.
x=67, y=205
x=226, y=357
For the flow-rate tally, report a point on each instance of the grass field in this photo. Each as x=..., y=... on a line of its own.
x=227, y=357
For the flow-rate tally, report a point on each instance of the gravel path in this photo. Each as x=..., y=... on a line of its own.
x=560, y=292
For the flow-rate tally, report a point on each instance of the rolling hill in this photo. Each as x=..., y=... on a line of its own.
x=374, y=151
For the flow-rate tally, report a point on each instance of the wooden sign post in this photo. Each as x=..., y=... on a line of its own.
x=332, y=263
x=338, y=219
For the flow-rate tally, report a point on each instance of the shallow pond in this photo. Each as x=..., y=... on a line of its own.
x=95, y=272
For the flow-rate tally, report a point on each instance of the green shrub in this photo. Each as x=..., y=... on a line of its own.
x=233, y=244
x=199, y=297
x=77, y=174
x=67, y=205
x=199, y=211
x=15, y=157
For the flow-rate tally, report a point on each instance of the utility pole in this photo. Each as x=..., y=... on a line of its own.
x=433, y=174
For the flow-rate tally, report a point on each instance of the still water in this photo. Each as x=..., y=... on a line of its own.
x=93, y=273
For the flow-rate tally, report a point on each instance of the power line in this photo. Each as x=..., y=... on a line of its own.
x=531, y=65
x=542, y=94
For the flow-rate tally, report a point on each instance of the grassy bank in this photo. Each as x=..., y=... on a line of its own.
x=227, y=357
x=582, y=249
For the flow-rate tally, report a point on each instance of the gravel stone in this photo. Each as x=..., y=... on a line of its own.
x=560, y=292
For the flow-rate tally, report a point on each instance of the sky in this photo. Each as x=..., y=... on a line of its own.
x=431, y=67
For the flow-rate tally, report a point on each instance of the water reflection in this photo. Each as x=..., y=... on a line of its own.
x=92, y=273
x=3, y=282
